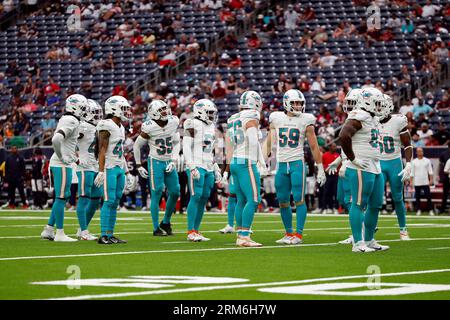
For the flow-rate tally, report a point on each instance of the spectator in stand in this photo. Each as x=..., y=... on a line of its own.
x=230, y=42
x=253, y=41
x=235, y=61
x=306, y=38
x=205, y=85
x=442, y=136
x=231, y=85
x=52, y=54
x=308, y=14
x=441, y=52
x=219, y=88
x=152, y=57
x=169, y=59
x=429, y=9
x=52, y=101
x=120, y=90
x=368, y=83
x=404, y=77
x=315, y=60
x=324, y=115
x=422, y=107
x=303, y=84
x=318, y=84
x=330, y=187
x=443, y=104
x=339, y=31
x=407, y=26
x=425, y=133
x=291, y=19
x=320, y=35
x=394, y=22
x=48, y=124
x=280, y=84
x=328, y=60
x=227, y=16
x=87, y=52
x=14, y=176
x=339, y=115
x=242, y=84
x=326, y=132
x=422, y=179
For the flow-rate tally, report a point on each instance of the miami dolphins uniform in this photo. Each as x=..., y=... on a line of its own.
x=88, y=194
x=391, y=162
x=243, y=169
x=163, y=141
x=62, y=174
x=115, y=168
x=203, y=160
x=367, y=186
x=231, y=202
x=344, y=194
x=291, y=171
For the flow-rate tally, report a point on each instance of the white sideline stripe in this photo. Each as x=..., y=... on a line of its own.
x=411, y=226
x=440, y=248
x=195, y=250
x=240, y=286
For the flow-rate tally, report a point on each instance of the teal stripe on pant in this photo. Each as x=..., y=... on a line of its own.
x=62, y=180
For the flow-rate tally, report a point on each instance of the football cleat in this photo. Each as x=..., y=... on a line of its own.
x=159, y=233
x=104, y=240
x=85, y=235
x=418, y=213
x=193, y=236
x=202, y=238
x=376, y=246
x=286, y=239
x=349, y=240
x=361, y=247
x=431, y=213
x=167, y=227
x=297, y=238
x=48, y=233
x=247, y=242
x=116, y=240
x=404, y=236
x=62, y=237
x=227, y=229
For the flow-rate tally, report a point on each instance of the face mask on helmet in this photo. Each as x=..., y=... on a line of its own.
x=349, y=105
x=126, y=112
x=212, y=115
x=297, y=106
x=164, y=112
x=97, y=115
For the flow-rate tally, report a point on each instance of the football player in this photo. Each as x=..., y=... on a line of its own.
x=395, y=134
x=88, y=194
x=246, y=153
x=160, y=132
x=198, y=146
x=64, y=143
x=360, y=139
x=112, y=165
x=288, y=130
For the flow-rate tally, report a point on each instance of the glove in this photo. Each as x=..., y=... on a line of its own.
x=170, y=167
x=321, y=177
x=129, y=181
x=99, y=179
x=224, y=178
x=343, y=169
x=68, y=160
x=142, y=172
x=406, y=172
x=195, y=174
x=361, y=163
x=332, y=168
x=217, y=175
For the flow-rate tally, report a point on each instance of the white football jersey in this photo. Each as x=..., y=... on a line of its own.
x=366, y=141
x=70, y=126
x=86, y=147
x=390, y=135
x=203, y=145
x=162, y=139
x=114, y=153
x=238, y=134
x=291, y=132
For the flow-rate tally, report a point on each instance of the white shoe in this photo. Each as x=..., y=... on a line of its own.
x=384, y=212
x=404, y=235
x=71, y=208
x=247, y=242
x=202, y=238
x=349, y=240
x=431, y=213
x=6, y=205
x=361, y=247
x=61, y=236
x=335, y=211
x=418, y=213
x=48, y=233
x=227, y=229
x=144, y=209
x=193, y=237
x=317, y=210
x=85, y=235
x=296, y=239
x=373, y=244
x=287, y=239
x=393, y=213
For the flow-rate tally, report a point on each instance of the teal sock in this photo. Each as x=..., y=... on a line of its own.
x=170, y=207
x=356, y=217
x=81, y=212
x=193, y=204
x=247, y=217
x=400, y=210
x=370, y=222
x=154, y=208
x=200, y=212
x=286, y=217
x=231, y=209
x=92, y=207
x=104, y=217
x=112, y=219
x=51, y=219
x=58, y=213
x=301, y=217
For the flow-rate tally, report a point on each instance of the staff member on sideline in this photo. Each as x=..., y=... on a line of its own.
x=422, y=179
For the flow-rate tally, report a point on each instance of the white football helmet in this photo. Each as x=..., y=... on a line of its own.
x=77, y=105
x=94, y=112
x=351, y=99
x=205, y=110
x=250, y=100
x=159, y=110
x=118, y=106
x=388, y=107
x=291, y=96
x=371, y=100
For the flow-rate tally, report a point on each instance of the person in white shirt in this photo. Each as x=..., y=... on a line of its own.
x=429, y=9
x=421, y=179
x=290, y=18
x=328, y=60
x=425, y=133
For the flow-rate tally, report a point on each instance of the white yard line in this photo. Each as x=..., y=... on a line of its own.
x=241, y=286
x=440, y=248
x=192, y=250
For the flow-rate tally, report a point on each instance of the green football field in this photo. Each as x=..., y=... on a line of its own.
x=172, y=268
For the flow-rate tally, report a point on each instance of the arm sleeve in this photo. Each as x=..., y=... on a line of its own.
x=176, y=146
x=187, y=150
x=57, y=141
x=253, y=143
x=138, y=144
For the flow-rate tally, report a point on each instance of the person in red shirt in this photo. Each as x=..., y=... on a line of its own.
x=330, y=188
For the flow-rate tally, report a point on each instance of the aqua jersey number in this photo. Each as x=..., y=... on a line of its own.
x=289, y=137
